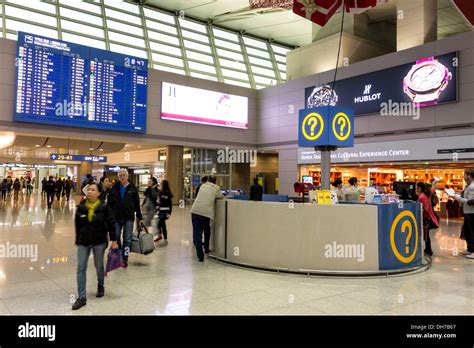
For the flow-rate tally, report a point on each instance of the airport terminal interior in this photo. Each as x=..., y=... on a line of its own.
x=237, y=157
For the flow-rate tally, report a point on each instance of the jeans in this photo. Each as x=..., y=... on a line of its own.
x=200, y=224
x=4, y=195
x=50, y=198
x=68, y=194
x=162, y=228
x=126, y=246
x=83, y=253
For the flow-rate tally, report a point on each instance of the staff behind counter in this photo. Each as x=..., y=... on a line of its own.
x=349, y=193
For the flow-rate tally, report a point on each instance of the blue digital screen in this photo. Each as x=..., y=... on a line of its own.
x=66, y=84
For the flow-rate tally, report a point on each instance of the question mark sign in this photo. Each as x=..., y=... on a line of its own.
x=313, y=121
x=407, y=225
x=342, y=121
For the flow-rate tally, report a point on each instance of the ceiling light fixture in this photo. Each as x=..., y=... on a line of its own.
x=6, y=139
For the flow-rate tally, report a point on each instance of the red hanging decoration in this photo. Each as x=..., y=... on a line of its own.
x=318, y=11
x=359, y=6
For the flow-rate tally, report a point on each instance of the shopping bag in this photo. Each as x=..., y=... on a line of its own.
x=114, y=260
x=142, y=242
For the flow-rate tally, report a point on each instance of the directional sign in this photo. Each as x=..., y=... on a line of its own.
x=77, y=158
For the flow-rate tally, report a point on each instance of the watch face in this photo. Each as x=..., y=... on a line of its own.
x=426, y=77
x=322, y=96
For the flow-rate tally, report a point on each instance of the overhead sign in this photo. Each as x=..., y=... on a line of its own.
x=428, y=81
x=77, y=158
x=402, y=150
x=326, y=126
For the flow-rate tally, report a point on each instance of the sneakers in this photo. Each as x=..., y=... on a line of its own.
x=157, y=239
x=163, y=243
x=100, y=291
x=124, y=263
x=470, y=256
x=80, y=302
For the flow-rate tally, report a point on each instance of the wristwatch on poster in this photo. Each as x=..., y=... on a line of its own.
x=426, y=80
x=322, y=96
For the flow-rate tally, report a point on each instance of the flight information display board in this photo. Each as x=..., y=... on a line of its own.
x=66, y=84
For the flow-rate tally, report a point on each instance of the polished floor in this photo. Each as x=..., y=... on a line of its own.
x=170, y=281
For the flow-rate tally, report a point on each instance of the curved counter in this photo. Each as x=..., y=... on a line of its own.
x=343, y=239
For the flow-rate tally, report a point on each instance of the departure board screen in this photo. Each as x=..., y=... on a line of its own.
x=66, y=84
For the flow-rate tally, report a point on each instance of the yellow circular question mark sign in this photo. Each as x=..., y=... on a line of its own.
x=341, y=126
x=407, y=229
x=312, y=121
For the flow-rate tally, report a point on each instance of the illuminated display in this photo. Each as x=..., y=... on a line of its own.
x=195, y=105
x=78, y=158
x=66, y=84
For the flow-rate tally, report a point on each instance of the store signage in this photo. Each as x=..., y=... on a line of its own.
x=402, y=150
x=196, y=180
x=114, y=169
x=77, y=158
x=427, y=81
x=326, y=126
x=141, y=171
x=400, y=234
x=456, y=150
x=45, y=166
x=14, y=165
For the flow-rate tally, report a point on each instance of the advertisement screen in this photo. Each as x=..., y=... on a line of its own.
x=188, y=104
x=65, y=84
x=428, y=81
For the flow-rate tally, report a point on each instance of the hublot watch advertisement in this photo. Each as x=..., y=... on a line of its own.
x=428, y=81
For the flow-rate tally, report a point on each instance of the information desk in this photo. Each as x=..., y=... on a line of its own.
x=353, y=239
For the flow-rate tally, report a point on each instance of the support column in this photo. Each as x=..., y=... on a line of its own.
x=325, y=169
x=417, y=23
x=84, y=169
x=174, y=171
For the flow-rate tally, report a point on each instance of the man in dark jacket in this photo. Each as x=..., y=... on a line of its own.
x=124, y=201
x=50, y=188
x=256, y=191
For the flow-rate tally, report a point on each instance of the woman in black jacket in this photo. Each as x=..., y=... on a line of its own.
x=95, y=225
x=166, y=206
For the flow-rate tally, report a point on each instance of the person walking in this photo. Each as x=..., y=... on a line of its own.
x=429, y=219
x=4, y=189
x=16, y=189
x=43, y=186
x=95, y=226
x=68, y=185
x=29, y=186
x=59, y=188
x=150, y=201
x=164, y=212
x=50, y=188
x=467, y=200
x=124, y=201
x=256, y=191
x=22, y=184
x=202, y=212
x=106, y=186
x=10, y=183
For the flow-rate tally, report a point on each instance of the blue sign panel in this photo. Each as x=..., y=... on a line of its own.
x=326, y=126
x=77, y=158
x=196, y=179
x=400, y=233
x=65, y=84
